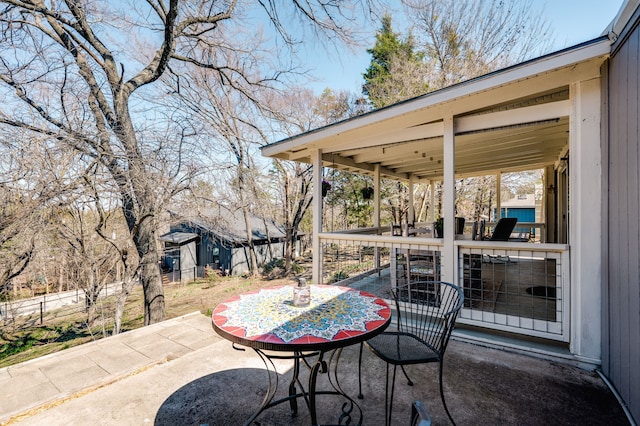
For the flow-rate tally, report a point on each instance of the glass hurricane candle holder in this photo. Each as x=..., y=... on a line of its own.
x=301, y=293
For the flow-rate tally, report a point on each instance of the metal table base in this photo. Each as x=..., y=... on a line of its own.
x=320, y=366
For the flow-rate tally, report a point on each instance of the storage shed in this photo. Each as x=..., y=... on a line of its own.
x=223, y=244
x=180, y=253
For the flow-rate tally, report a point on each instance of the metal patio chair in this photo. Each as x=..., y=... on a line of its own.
x=426, y=312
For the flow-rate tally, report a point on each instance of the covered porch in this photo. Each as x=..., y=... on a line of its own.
x=539, y=115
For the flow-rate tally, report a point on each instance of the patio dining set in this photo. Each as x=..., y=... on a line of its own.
x=276, y=325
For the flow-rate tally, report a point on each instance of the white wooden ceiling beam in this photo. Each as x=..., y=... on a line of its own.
x=548, y=111
x=339, y=162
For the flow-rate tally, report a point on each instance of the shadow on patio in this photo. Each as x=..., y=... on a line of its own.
x=213, y=384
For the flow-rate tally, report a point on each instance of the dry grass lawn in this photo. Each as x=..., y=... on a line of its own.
x=27, y=339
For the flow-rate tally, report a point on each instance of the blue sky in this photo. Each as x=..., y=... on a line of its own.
x=573, y=21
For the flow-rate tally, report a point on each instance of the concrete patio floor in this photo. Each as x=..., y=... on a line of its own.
x=180, y=372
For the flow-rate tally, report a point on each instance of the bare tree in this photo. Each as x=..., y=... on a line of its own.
x=474, y=197
x=294, y=180
x=299, y=111
x=464, y=39
x=33, y=181
x=81, y=73
x=89, y=261
x=17, y=248
x=228, y=123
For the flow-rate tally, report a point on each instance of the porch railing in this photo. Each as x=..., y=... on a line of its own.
x=516, y=286
x=513, y=287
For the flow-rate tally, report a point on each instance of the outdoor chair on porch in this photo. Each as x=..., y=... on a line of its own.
x=503, y=229
x=426, y=312
x=501, y=232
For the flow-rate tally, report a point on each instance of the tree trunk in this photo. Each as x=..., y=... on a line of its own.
x=145, y=241
x=422, y=214
x=289, y=248
x=288, y=252
x=268, y=234
x=120, y=302
x=60, y=278
x=253, y=260
x=91, y=298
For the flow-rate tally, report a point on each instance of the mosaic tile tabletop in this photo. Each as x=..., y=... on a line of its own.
x=267, y=318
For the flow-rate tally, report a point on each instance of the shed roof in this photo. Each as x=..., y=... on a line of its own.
x=520, y=201
x=178, y=237
x=230, y=226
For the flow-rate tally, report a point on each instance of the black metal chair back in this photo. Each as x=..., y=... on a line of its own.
x=426, y=312
x=503, y=229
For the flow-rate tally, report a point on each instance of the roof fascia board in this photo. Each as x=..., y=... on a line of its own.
x=622, y=18
x=424, y=131
x=563, y=59
x=623, y=24
x=520, y=72
x=508, y=92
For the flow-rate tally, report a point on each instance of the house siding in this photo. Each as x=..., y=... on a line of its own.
x=621, y=290
x=240, y=258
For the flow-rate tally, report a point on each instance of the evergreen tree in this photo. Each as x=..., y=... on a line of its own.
x=393, y=59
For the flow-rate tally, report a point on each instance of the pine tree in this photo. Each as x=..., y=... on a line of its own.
x=393, y=59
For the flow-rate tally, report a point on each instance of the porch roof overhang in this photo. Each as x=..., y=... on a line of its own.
x=513, y=119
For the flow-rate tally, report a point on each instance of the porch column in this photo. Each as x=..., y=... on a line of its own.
x=376, y=211
x=448, y=266
x=376, y=196
x=411, y=213
x=316, y=159
x=549, y=206
x=432, y=199
x=585, y=224
x=498, y=196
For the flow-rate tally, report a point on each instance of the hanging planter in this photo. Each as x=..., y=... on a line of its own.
x=367, y=192
x=326, y=186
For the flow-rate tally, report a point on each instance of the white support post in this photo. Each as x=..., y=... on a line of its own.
x=376, y=196
x=542, y=213
x=498, y=196
x=432, y=213
x=411, y=213
x=585, y=177
x=376, y=211
x=448, y=266
x=316, y=273
x=549, y=216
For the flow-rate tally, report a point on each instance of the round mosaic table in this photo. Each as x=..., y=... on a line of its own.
x=267, y=320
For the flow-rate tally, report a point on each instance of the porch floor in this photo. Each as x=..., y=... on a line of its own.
x=180, y=372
